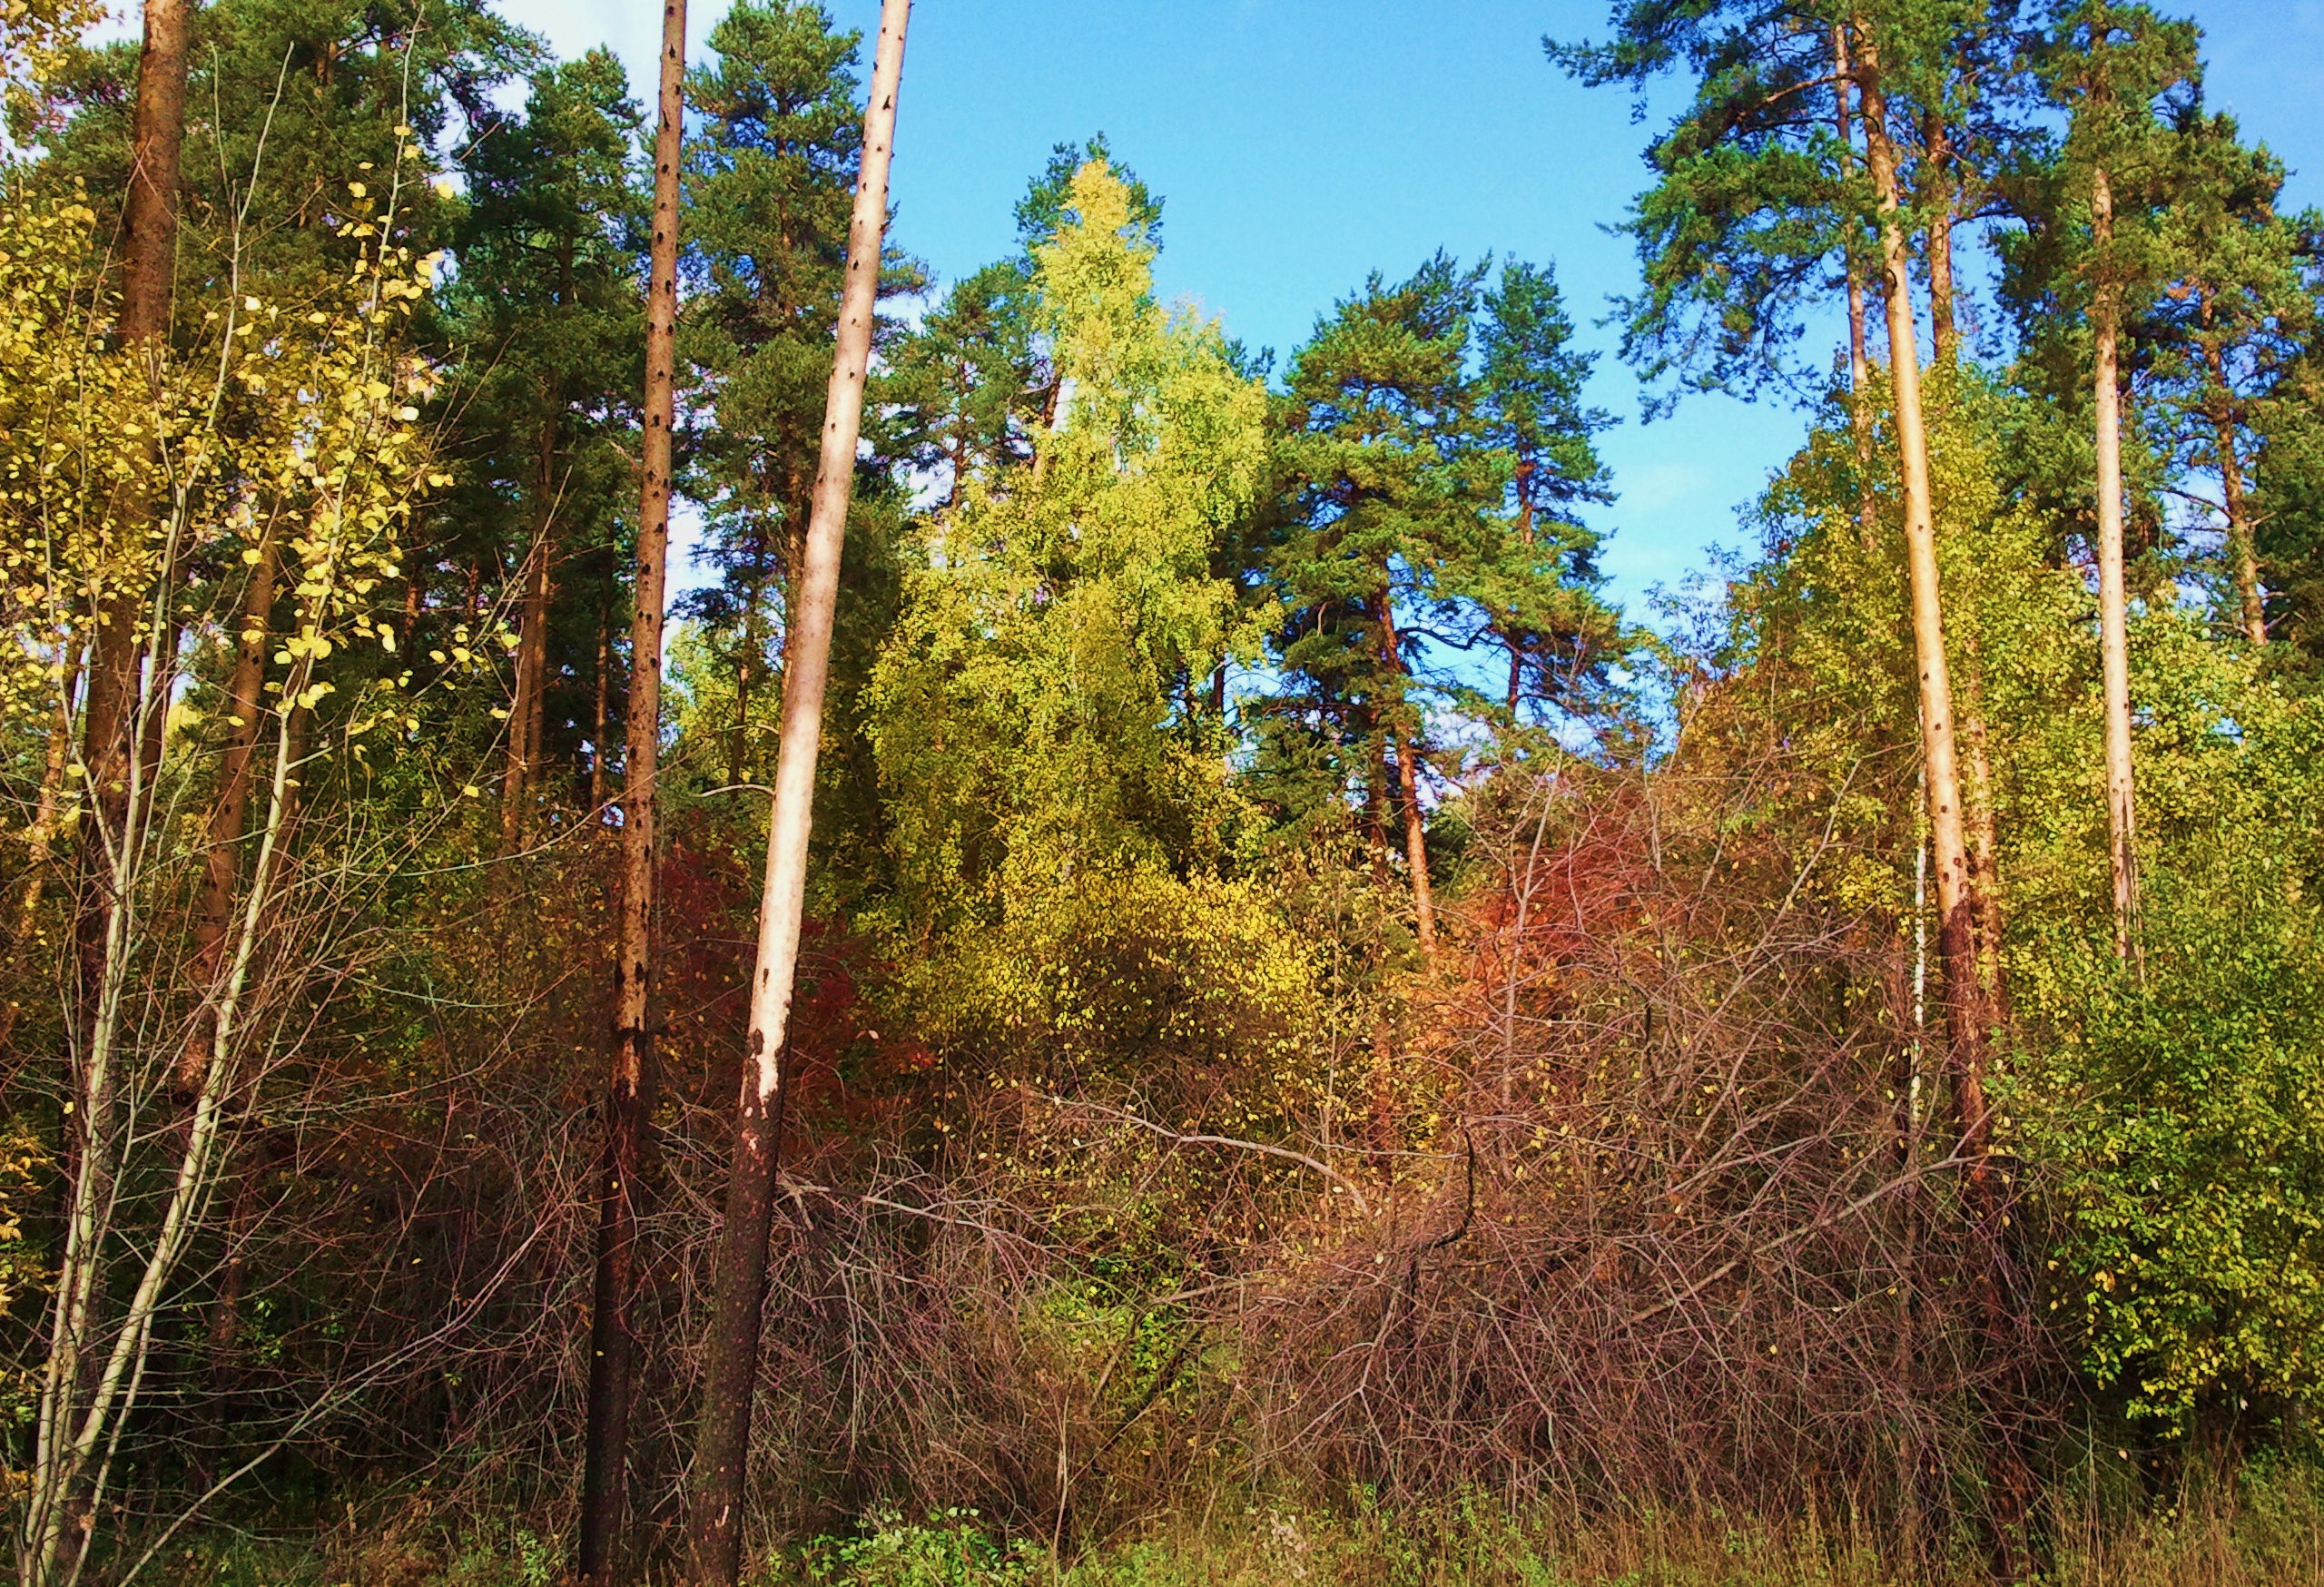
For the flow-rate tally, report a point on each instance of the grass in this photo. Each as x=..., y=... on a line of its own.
x=2266, y=1530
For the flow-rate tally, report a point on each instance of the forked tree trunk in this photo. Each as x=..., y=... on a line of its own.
x=2114, y=605
x=722, y=1447
x=629, y=1090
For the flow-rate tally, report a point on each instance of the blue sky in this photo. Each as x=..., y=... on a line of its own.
x=1302, y=143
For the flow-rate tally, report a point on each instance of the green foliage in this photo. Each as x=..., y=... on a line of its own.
x=949, y=1549
x=1055, y=782
x=2177, y=1102
x=2191, y=1177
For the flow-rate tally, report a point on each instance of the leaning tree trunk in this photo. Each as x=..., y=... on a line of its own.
x=1965, y=1013
x=2114, y=605
x=1968, y=1009
x=629, y=1091
x=722, y=1447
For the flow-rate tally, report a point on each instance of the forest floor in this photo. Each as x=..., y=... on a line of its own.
x=2268, y=1533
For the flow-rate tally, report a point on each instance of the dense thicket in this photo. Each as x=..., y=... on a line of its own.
x=1304, y=1007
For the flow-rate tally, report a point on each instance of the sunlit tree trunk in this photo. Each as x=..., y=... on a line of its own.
x=629, y=1090
x=1944, y=335
x=721, y=1449
x=2114, y=605
x=1965, y=1013
x=1860, y=362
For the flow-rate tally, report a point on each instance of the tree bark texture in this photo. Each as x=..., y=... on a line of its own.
x=1944, y=335
x=715, y=1525
x=629, y=1090
x=2113, y=603
x=1965, y=1014
x=150, y=229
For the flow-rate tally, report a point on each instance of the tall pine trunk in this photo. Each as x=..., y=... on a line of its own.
x=150, y=230
x=1944, y=335
x=1859, y=361
x=1967, y=1011
x=2113, y=603
x=721, y=1448
x=629, y=1090
x=527, y=709
x=2243, y=553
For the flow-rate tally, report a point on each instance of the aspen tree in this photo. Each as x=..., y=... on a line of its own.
x=629, y=1093
x=722, y=1447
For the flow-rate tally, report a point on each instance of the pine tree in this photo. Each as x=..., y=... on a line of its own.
x=722, y=1443
x=2111, y=65
x=545, y=303
x=1538, y=586
x=2234, y=320
x=1379, y=441
x=771, y=173
x=630, y=1081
